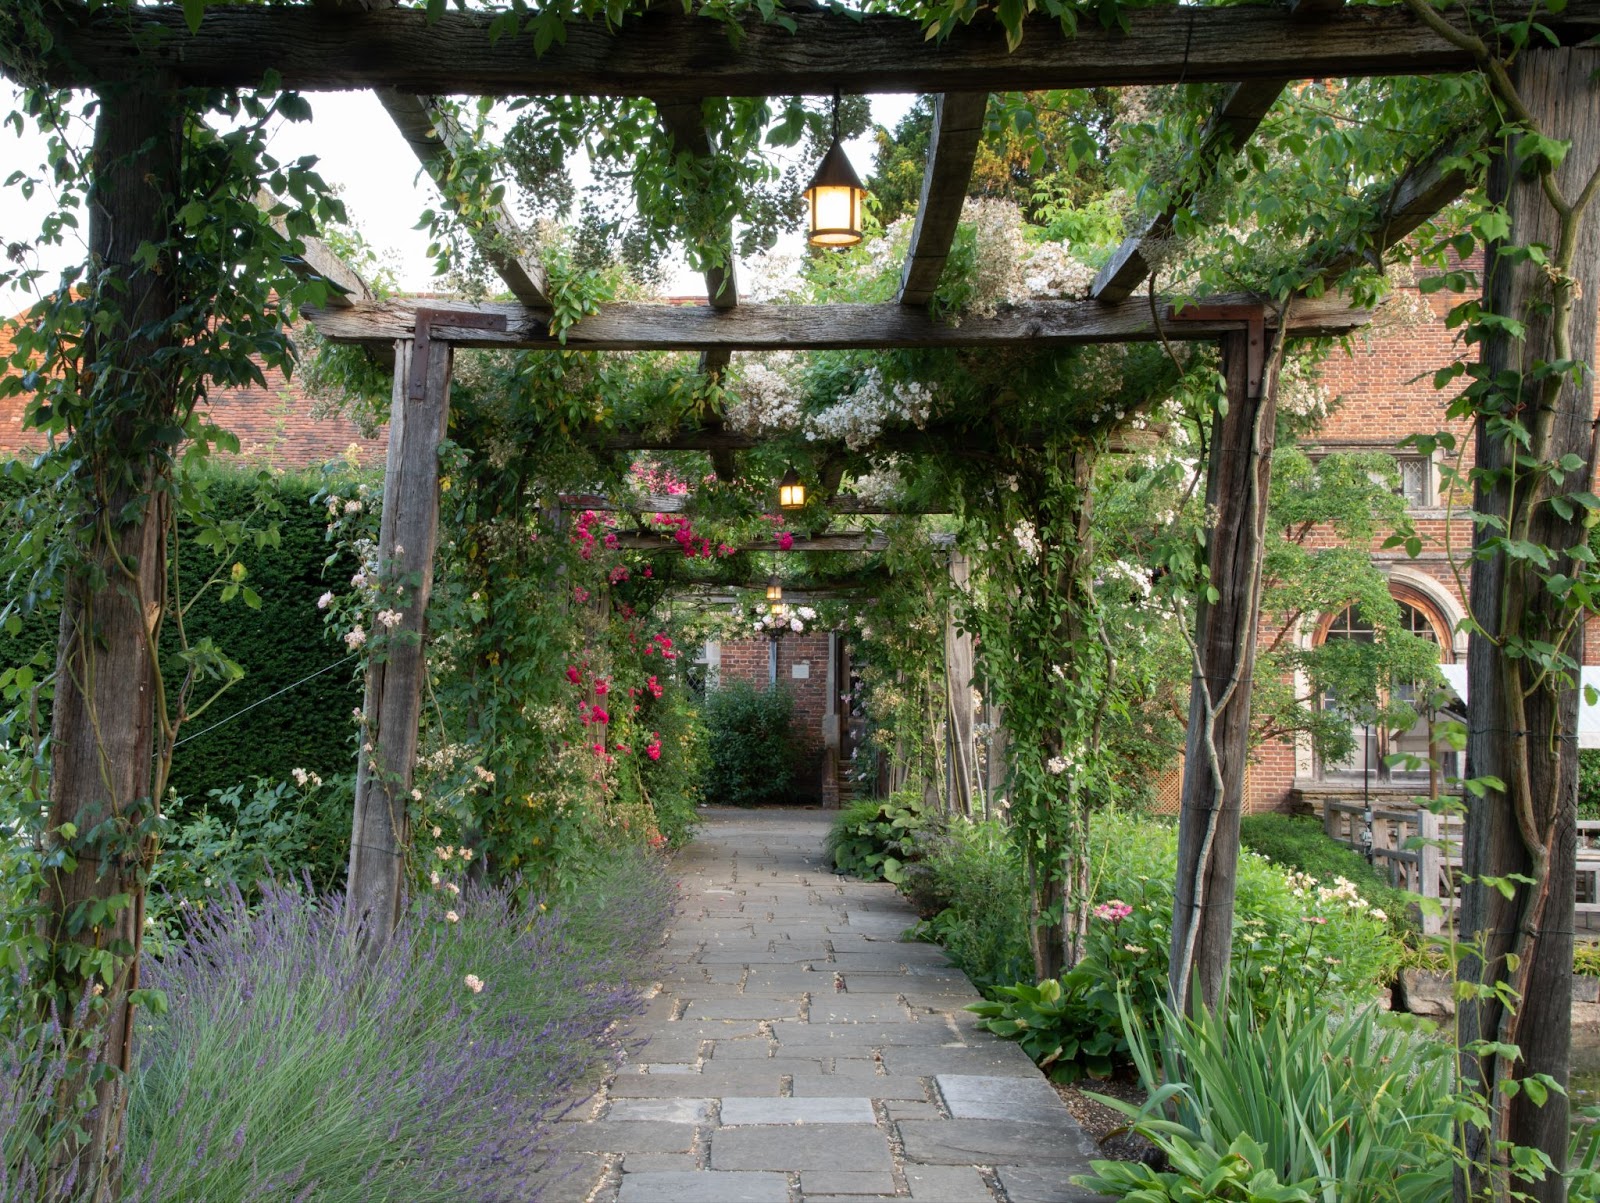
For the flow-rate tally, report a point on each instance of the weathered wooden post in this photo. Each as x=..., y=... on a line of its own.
x=407, y=539
x=1523, y=725
x=1431, y=864
x=103, y=716
x=959, y=717
x=1218, y=744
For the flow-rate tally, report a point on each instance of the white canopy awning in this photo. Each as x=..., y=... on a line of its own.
x=1455, y=676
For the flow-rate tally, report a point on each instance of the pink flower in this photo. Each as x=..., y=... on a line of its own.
x=598, y=715
x=1114, y=911
x=573, y=674
x=649, y=571
x=602, y=686
x=618, y=574
x=611, y=540
x=653, y=748
x=579, y=593
x=785, y=541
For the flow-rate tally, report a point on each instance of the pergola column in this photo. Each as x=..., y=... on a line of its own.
x=397, y=668
x=1523, y=725
x=1237, y=481
x=962, y=754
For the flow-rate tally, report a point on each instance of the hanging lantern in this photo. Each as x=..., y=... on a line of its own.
x=774, y=589
x=791, y=493
x=835, y=196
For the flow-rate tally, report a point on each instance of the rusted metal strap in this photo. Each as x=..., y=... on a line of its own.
x=426, y=320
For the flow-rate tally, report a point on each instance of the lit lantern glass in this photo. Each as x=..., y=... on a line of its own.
x=835, y=198
x=774, y=590
x=791, y=493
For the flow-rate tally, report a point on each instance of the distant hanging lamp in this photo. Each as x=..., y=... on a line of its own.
x=835, y=196
x=791, y=493
x=774, y=589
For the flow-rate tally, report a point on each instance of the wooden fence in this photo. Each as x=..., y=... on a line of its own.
x=1421, y=851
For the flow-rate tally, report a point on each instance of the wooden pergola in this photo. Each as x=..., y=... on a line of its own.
x=677, y=61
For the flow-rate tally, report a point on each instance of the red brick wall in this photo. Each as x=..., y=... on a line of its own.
x=275, y=427
x=748, y=660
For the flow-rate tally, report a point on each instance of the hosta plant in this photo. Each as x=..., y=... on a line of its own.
x=1059, y=1023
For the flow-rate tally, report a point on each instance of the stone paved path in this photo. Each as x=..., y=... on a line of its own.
x=799, y=1053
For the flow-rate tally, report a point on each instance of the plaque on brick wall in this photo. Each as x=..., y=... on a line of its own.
x=801, y=671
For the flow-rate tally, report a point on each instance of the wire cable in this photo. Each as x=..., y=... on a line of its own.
x=264, y=701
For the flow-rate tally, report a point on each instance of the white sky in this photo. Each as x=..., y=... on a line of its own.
x=361, y=154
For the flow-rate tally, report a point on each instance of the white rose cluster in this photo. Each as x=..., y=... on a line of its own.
x=858, y=418
x=768, y=397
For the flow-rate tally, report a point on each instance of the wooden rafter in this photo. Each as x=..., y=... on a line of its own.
x=1232, y=123
x=952, y=148
x=436, y=139
x=1230, y=127
x=668, y=55
x=632, y=326
x=1415, y=198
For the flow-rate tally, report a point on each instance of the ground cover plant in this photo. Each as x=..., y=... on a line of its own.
x=1298, y=842
x=877, y=840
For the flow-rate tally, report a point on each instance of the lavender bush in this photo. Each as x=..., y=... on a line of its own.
x=292, y=1066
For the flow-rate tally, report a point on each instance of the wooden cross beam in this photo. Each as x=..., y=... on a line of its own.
x=668, y=55
x=952, y=148
x=632, y=326
x=676, y=504
x=964, y=439
x=840, y=541
x=844, y=541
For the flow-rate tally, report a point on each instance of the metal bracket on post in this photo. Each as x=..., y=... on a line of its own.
x=1254, y=318
x=426, y=320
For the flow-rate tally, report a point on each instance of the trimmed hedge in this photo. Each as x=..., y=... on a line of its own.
x=279, y=645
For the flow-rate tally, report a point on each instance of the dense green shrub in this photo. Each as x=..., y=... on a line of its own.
x=1288, y=927
x=286, y=832
x=970, y=886
x=279, y=645
x=1298, y=842
x=875, y=840
x=750, y=749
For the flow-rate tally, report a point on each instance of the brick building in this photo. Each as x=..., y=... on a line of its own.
x=813, y=668
x=1386, y=388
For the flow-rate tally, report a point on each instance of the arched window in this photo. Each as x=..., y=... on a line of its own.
x=1374, y=745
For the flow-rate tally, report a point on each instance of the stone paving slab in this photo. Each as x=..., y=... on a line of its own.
x=797, y=1052
x=819, y=1109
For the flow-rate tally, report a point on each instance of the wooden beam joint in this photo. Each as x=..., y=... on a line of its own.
x=1254, y=318
x=426, y=320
